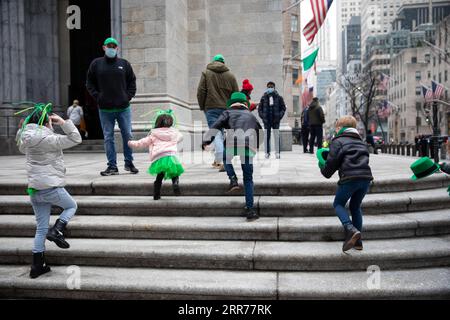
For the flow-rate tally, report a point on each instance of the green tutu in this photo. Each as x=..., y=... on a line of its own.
x=170, y=165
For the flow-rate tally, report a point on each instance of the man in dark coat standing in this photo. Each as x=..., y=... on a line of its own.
x=271, y=110
x=112, y=83
x=316, y=120
x=305, y=129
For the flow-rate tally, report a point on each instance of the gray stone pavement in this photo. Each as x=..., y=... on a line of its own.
x=293, y=166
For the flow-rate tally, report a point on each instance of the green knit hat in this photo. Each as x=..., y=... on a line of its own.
x=110, y=40
x=423, y=167
x=219, y=57
x=238, y=97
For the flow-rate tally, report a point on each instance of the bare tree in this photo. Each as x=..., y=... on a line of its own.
x=363, y=87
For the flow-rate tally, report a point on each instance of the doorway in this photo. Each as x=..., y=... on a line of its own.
x=85, y=46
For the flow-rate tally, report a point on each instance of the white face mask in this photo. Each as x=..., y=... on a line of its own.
x=111, y=52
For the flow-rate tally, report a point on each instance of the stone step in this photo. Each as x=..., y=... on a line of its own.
x=144, y=283
x=237, y=255
x=433, y=199
x=120, y=185
x=235, y=228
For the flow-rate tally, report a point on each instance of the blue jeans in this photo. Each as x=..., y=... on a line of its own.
x=247, y=170
x=42, y=202
x=276, y=132
x=355, y=190
x=108, y=121
x=316, y=132
x=211, y=116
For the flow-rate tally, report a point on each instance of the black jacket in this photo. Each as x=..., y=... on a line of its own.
x=277, y=111
x=350, y=155
x=111, y=82
x=315, y=114
x=243, y=128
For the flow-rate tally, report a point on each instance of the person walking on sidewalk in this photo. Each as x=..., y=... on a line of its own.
x=112, y=83
x=241, y=140
x=305, y=129
x=162, y=144
x=271, y=110
x=316, y=120
x=349, y=154
x=75, y=114
x=46, y=178
x=217, y=83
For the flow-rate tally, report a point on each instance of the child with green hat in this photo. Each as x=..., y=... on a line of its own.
x=241, y=140
x=46, y=176
x=162, y=144
x=349, y=155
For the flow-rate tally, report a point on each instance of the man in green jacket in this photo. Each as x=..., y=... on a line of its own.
x=216, y=85
x=316, y=119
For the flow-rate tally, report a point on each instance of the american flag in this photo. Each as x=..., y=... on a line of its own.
x=307, y=96
x=319, y=9
x=384, y=81
x=438, y=89
x=427, y=94
x=385, y=109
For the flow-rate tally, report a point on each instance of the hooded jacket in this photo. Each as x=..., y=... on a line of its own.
x=216, y=85
x=271, y=115
x=316, y=116
x=350, y=155
x=242, y=129
x=43, y=150
x=162, y=142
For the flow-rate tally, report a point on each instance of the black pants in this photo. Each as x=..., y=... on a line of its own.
x=305, y=138
x=160, y=177
x=316, y=132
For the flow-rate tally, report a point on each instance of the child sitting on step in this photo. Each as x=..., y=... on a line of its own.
x=162, y=144
x=46, y=177
x=349, y=155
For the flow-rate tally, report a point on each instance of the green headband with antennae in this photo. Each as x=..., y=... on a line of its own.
x=160, y=112
x=42, y=108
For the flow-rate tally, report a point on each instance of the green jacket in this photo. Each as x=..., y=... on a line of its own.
x=316, y=116
x=216, y=86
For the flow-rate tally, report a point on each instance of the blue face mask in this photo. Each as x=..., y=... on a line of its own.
x=111, y=52
x=270, y=90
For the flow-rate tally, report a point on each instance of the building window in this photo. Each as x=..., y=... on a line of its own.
x=427, y=58
x=440, y=77
x=434, y=61
x=294, y=75
x=445, y=75
x=429, y=74
x=418, y=91
x=413, y=59
x=296, y=104
x=294, y=23
x=294, y=45
x=418, y=75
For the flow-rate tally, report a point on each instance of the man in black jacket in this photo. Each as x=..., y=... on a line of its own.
x=316, y=120
x=241, y=140
x=271, y=110
x=112, y=83
x=349, y=154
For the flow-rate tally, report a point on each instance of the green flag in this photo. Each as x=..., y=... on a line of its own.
x=308, y=62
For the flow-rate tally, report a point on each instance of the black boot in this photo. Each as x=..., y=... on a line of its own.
x=56, y=234
x=176, y=186
x=351, y=236
x=39, y=266
x=233, y=184
x=358, y=245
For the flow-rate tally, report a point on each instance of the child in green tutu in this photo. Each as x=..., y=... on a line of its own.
x=162, y=144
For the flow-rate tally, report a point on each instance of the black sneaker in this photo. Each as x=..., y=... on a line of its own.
x=110, y=171
x=351, y=236
x=233, y=184
x=130, y=167
x=252, y=214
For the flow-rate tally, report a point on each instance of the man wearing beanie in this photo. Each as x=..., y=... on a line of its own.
x=271, y=110
x=216, y=85
x=112, y=83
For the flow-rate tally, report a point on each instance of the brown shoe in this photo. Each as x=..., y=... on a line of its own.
x=358, y=245
x=221, y=168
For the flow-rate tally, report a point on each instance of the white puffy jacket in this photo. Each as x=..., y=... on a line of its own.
x=43, y=149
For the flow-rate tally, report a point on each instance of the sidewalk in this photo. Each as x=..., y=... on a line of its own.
x=293, y=166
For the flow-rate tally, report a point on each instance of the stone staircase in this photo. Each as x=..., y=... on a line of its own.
x=198, y=246
x=88, y=146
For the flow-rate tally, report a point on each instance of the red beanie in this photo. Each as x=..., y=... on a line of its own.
x=246, y=85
